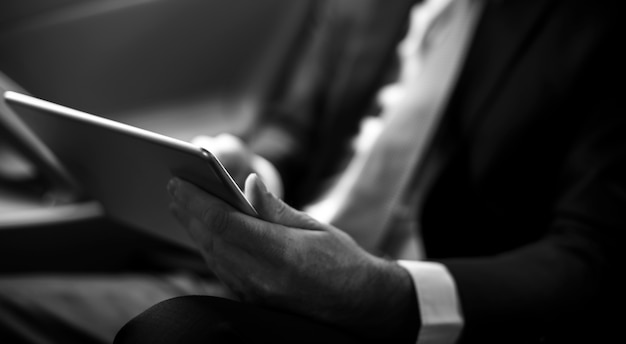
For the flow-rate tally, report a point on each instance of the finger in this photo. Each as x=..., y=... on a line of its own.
x=232, y=151
x=195, y=228
x=227, y=223
x=273, y=209
x=201, y=236
x=212, y=246
x=204, y=206
x=206, y=142
x=242, y=264
x=247, y=274
x=230, y=142
x=237, y=269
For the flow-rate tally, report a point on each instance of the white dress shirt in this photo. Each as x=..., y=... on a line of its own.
x=438, y=303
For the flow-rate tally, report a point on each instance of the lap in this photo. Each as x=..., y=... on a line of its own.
x=82, y=308
x=79, y=282
x=205, y=319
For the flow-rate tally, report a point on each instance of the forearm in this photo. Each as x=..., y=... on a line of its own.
x=530, y=292
x=388, y=307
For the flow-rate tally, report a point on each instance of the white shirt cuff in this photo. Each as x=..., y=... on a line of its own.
x=268, y=174
x=438, y=302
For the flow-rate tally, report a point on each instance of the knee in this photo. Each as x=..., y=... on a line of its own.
x=207, y=319
x=185, y=319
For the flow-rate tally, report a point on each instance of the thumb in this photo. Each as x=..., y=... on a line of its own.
x=273, y=209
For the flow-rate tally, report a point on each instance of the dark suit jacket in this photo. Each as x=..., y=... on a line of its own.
x=528, y=212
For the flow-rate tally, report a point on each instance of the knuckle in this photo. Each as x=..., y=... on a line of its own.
x=281, y=209
x=263, y=291
x=206, y=246
x=217, y=219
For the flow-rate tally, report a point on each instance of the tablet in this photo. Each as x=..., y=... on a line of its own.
x=124, y=168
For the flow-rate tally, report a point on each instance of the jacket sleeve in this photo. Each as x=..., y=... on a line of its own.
x=566, y=284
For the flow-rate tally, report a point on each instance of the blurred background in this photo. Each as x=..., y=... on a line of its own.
x=176, y=67
x=179, y=67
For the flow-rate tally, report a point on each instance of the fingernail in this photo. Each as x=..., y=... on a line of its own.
x=253, y=186
x=254, y=178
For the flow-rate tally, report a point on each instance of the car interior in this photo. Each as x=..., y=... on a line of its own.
x=181, y=68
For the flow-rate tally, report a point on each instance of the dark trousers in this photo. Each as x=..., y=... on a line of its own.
x=206, y=319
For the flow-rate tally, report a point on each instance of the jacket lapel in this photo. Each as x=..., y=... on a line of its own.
x=372, y=43
x=505, y=32
x=359, y=69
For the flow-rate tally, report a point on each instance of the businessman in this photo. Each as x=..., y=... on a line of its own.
x=507, y=227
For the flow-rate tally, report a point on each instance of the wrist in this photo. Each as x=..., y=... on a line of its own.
x=400, y=314
x=391, y=312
